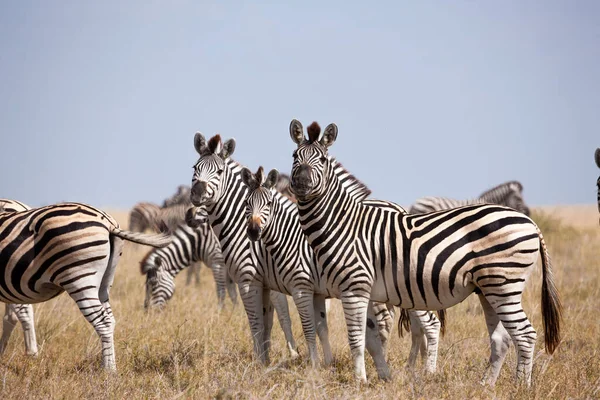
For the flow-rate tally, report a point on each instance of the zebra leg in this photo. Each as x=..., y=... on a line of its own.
x=283, y=315
x=8, y=324
x=219, y=273
x=431, y=326
x=25, y=316
x=384, y=315
x=197, y=272
x=268, y=318
x=499, y=343
x=418, y=340
x=510, y=312
x=304, y=301
x=251, y=295
x=320, y=309
x=231, y=289
x=190, y=272
x=374, y=343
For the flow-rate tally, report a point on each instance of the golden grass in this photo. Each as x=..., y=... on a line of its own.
x=191, y=351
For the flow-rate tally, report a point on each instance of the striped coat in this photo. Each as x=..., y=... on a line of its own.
x=425, y=262
x=68, y=247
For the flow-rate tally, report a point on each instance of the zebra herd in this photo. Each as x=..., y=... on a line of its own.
x=313, y=235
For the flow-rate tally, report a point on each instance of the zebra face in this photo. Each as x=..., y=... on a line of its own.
x=259, y=200
x=311, y=163
x=160, y=285
x=211, y=170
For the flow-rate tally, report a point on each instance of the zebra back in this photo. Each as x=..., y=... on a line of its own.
x=7, y=205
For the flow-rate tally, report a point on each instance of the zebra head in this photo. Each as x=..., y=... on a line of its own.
x=259, y=200
x=514, y=199
x=160, y=284
x=311, y=164
x=210, y=171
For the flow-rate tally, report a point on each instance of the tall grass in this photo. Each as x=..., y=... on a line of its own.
x=191, y=351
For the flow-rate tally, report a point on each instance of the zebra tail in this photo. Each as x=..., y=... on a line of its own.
x=154, y=240
x=403, y=322
x=442, y=317
x=551, y=305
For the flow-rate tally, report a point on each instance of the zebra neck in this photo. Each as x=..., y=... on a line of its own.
x=227, y=214
x=283, y=227
x=325, y=215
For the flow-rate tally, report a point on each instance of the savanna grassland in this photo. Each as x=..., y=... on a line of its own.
x=189, y=350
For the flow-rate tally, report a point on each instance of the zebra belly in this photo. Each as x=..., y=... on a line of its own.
x=47, y=292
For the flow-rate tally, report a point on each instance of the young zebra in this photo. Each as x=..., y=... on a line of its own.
x=508, y=194
x=68, y=247
x=219, y=193
x=188, y=247
x=426, y=261
x=14, y=313
x=273, y=219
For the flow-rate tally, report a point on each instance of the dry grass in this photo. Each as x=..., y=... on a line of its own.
x=191, y=351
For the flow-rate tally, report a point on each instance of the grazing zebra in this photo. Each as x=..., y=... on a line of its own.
x=219, y=196
x=189, y=245
x=68, y=247
x=14, y=313
x=508, y=194
x=597, y=158
x=425, y=261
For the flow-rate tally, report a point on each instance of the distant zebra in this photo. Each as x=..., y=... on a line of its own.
x=189, y=245
x=218, y=191
x=424, y=261
x=143, y=216
x=597, y=158
x=182, y=196
x=507, y=194
x=273, y=219
x=68, y=247
x=14, y=313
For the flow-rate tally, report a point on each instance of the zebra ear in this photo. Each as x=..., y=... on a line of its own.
x=272, y=179
x=297, y=132
x=597, y=157
x=199, y=142
x=228, y=149
x=329, y=135
x=249, y=179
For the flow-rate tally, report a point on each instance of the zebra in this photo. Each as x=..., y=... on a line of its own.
x=142, y=216
x=70, y=247
x=189, y=245
x=182, y=196
x=597, y=158
x=422, y=261
x=508, y=194
x=218, y=193
x=14, y=313
x=273, y=219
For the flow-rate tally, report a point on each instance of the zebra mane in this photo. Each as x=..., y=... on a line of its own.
x=503, y=186
x=354, y=187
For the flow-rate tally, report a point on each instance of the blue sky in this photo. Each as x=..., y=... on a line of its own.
x=99, y=101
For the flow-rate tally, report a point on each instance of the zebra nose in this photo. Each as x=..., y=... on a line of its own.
x=253, y=229
x=198, y=192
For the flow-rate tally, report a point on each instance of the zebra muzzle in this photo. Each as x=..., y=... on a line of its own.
x=253, y=230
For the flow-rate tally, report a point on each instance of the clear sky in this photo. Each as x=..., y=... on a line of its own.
x=99, y=101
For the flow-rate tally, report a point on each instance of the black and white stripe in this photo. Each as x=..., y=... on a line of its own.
x=143, y=216
x=188, y=247
x=508, y=194
x=425, y=262
x=14, y=313
x=68, y=247
x=597, y=158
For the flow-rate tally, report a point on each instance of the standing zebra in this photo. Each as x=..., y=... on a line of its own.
x=189, y=245
x=273, y=219
x=68, y=247
x=426, y=261
x=507, y=194
x=14, y=313
x=219, y=194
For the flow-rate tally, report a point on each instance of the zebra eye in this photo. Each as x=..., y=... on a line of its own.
x=219, y=172
x=323, y=159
